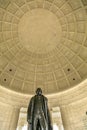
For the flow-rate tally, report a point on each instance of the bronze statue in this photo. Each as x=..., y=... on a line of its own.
x=38, y=116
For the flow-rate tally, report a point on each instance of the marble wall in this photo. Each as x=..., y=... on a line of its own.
x=8, y=117
x=72, y=103
x=74, y=116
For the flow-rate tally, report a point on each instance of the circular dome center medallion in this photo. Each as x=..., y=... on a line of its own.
x=39, y=31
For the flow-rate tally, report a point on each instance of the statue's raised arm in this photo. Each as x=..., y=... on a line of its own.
x=38, y=115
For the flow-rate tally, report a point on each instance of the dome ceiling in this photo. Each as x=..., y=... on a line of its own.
x=43, y=43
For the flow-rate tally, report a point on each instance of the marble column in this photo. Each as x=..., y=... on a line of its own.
x=14, y=118
x=8, y=117
x=72, y=117
x=20, y=127
x=60, y=127
x=64, y=117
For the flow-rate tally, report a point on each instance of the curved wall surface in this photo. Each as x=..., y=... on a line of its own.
x=72, y=105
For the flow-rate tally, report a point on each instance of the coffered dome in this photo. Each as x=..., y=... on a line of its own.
x=43, y=43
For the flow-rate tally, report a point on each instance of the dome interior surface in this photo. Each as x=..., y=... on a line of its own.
x=43, y=43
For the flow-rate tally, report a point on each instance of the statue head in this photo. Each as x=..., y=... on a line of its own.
x=39, y=91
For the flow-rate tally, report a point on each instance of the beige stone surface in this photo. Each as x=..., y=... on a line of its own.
x=43, y=43
x=39, y=31
x=8, y=117
x=72, y=105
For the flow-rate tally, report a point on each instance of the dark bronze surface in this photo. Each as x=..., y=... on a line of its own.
x=38, y=116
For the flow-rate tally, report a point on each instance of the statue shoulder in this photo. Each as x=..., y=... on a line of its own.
x=32, y=98
x=45, y=98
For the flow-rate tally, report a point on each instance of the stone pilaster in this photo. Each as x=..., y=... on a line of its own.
x=14, y=118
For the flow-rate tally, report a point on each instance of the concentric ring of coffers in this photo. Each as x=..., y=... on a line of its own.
x=57, y=70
